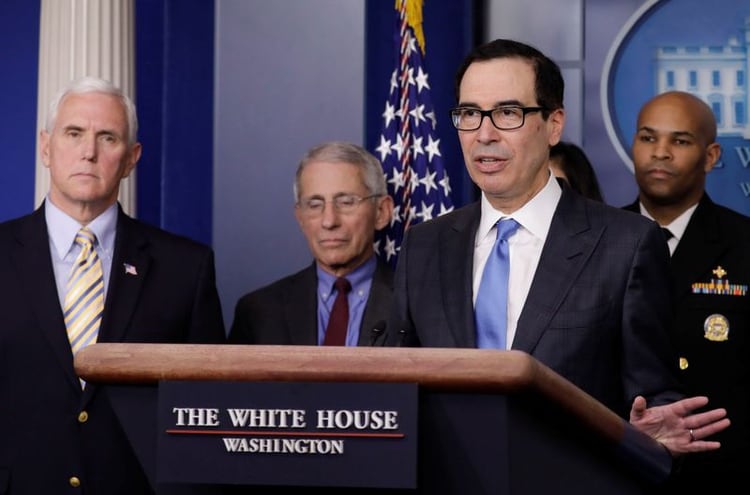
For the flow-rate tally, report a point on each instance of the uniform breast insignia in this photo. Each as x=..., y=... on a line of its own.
x=719, y=286
x=716, y=328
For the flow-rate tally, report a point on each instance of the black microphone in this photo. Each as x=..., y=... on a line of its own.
x=405, y=332
x=377, y=331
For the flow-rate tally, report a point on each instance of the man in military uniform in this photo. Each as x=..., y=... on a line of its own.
x=673, y=150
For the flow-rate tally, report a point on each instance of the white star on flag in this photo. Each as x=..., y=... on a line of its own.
x=415, y=170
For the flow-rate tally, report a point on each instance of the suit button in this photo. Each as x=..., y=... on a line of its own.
x=74, y=481
x=83, y=416
x=683, y=363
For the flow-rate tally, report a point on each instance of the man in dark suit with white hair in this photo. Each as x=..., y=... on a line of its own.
x=77, y=271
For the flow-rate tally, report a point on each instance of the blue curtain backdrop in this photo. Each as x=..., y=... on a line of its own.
x=450, y=33
x=174, y=91
x=19, y=52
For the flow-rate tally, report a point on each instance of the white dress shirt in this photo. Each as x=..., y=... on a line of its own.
x=524, y=246
x=677, y=227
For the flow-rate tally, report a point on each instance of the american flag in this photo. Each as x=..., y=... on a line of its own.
x=409, y=148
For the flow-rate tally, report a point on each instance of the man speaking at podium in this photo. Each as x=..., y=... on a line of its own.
x=533, y=266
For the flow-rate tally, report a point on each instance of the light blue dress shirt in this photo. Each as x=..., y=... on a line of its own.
x=361, y=280
x=62, y=230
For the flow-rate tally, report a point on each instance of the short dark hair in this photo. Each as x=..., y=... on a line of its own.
x=549, y=86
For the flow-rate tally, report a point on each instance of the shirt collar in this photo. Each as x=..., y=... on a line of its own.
x=62, y=228
x=678, y=225
x=535, y=216
x=360, y=276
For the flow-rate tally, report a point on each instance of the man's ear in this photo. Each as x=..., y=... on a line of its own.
x=44, y=147
x=298, y=215
x=132, y=159
x=384, y=211
x=713, y=153
x=556, y=122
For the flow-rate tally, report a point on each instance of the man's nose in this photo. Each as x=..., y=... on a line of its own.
x=89, y=148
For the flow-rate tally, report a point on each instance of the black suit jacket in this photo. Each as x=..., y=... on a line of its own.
x=286, y=311
x=596, y=312
x=715, y=237
x=51, y=430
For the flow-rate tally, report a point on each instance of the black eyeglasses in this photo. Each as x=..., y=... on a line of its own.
x=344, y=203
x=505, y=118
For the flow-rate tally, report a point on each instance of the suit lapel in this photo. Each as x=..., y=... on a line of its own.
x=37, y=280
x=300, y=302
x=456, y=262
x=700, y=247
x=569, y=244
x=635, y=207
x=131, y=250
x=378, y=302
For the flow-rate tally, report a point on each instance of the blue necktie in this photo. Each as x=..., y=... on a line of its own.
x=491, y=307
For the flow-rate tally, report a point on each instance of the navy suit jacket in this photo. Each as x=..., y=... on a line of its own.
x=597, y=309
x=719, y=369
x=286, y=311
x=50, y=429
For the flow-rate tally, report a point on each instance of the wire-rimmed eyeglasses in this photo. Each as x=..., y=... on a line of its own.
x=505, y=118
x=343, y=203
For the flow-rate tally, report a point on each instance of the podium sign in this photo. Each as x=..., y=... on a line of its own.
x=288, y=433
x=297, y=418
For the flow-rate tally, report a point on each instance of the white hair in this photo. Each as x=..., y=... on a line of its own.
x=94, y=85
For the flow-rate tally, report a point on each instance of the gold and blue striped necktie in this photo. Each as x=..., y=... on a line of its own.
x=84, y=300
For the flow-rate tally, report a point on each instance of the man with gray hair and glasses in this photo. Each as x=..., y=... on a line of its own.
x=344, y=296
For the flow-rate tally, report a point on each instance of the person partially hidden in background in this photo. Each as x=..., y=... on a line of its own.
x=569, y=162
x=673, y=150
x=340, y=202
x=581, y=286
x=77, y=271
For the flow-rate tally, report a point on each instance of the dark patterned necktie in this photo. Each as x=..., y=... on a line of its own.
x=339, y=320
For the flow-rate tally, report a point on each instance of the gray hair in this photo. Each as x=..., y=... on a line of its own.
x=342, y=152
x=94, y=85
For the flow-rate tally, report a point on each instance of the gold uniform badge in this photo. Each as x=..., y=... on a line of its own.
x=716, y=328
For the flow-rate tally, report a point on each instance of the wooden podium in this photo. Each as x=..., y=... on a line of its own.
x=489, y=422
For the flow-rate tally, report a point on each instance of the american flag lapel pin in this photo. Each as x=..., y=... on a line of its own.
x=130, y=269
